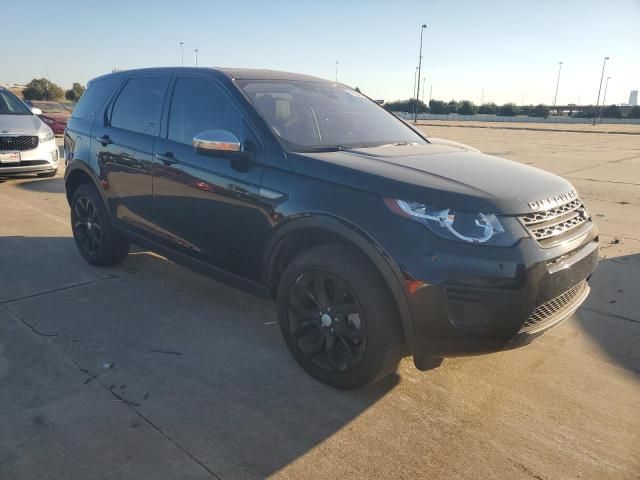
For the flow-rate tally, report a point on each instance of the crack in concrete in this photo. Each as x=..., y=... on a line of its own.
x=111, y=276
x=27, y=324
x=601, y=164
x=613, y=315
x=132, y=406
x=604, y=181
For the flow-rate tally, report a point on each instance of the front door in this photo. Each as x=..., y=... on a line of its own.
x=206, y=205
x=124, y=149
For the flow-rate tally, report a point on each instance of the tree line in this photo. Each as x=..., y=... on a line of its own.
x=43, y=89
x=466, y=107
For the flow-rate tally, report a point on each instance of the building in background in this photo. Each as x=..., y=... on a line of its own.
x=633, y=98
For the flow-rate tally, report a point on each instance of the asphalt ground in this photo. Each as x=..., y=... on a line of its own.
x=150, y=371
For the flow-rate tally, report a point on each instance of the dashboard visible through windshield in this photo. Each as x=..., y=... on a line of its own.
x=309, y=116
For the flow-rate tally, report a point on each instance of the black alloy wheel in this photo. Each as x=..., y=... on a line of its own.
x=338, y=318
x=86, y=226
x=95, y=237
x=327, y=321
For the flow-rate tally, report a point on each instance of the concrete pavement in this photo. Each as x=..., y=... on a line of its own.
x=148, y=370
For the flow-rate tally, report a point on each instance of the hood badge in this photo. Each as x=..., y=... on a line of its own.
x=552, y=202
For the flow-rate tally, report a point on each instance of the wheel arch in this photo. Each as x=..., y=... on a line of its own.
x=77, y=175
x=285, y=244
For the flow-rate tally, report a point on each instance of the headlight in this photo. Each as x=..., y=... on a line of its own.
x=481, y=228
x=46, y=135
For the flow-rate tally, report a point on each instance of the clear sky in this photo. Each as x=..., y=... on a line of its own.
x=511, y=48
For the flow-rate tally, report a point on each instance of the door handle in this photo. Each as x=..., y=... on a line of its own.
x=104, y=140
x=166, y=158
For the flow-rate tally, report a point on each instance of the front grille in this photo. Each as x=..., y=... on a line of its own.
x=550, y=227
x=547, y=312
x=18, y=143
x=546, y=215
x=24, y=163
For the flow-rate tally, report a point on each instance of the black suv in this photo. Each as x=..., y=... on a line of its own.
x=375, y=241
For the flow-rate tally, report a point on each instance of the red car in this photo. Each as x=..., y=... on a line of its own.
x=54, y=114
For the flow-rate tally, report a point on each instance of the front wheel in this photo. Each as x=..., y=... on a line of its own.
x=338, y=317
x=95, y=237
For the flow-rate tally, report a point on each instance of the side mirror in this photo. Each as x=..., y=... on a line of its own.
x=216, y=141
x=36, y=111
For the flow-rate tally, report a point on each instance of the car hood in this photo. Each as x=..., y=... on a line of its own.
x=443, y=174
x=21, y=124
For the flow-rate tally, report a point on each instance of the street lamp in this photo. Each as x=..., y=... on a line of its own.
x=604, y=97
x=415, y=115
x=555, y=97
x=196, y=52
x=182, y=53
x=604, y=63
x=413, y=94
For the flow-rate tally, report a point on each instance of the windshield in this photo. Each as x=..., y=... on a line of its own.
x=11, y=105
x=311, y=116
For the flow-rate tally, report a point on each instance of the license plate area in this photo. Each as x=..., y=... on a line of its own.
x=10, y=157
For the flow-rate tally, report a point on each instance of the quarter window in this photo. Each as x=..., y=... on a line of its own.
x=198, y=105
x=95, y=96
x=138, y=107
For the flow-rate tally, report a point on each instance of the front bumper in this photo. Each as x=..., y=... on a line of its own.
x=45, y=158
x=468, y=299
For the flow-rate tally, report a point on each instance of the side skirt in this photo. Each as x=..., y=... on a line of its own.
x=193, y=264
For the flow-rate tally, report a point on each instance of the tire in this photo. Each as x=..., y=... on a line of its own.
x=92, y=231
x=361, y=341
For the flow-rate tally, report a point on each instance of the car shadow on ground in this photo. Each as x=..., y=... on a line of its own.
x=202, y=362
x=44, y=185
x=611, y=314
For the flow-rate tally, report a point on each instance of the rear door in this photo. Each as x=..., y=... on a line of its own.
x=124, y=143
x=206, y=205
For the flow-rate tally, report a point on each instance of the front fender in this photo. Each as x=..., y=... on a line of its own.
x=351, y=234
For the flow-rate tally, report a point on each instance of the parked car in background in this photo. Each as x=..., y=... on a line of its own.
x=27, y=145
x=375, y=240
x=54, y=114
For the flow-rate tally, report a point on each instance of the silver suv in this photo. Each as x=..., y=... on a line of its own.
x=27, y=145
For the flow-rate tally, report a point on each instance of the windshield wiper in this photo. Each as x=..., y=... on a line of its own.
x=328, y=148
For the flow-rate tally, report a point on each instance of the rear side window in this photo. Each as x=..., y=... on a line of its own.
x=94, y=98
x=198, y=105
x=138, y=107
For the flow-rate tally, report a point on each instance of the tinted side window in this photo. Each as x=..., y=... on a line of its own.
x=139, y=105
x=198, y=105
x=94, y=98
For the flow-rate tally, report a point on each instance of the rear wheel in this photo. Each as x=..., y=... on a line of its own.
x=95, y=237
x=338, y=318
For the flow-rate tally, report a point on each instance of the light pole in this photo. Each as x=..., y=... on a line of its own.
x=604, y=97
x=604, y=63
x=337, y=71
x=196, y=52
x=555, y=97
x=182, y=53
x=413, y=94
x=482, y=97
x=423, y=89
x=430, y=92
x=415, y=115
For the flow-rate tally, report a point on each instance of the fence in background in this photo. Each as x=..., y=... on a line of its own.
x=517, y=118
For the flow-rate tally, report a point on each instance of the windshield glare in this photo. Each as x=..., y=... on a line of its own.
x=317, y=115
x=11, y=105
